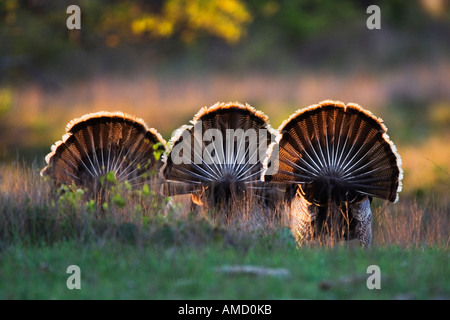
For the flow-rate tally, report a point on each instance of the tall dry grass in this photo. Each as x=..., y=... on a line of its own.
x=412, y=224
x=32, y=212
x=35, y=211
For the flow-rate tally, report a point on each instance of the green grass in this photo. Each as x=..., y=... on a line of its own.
x=134, y=248
x=118, y=271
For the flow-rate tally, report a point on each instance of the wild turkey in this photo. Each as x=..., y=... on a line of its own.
x=103, y=142
x=337, y=157
x=218, y=159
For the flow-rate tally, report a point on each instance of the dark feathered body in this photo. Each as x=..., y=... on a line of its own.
x=336, y=158
x=223, y=151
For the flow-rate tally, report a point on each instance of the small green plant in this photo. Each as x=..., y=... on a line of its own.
x=158, y=150
x=67, y=199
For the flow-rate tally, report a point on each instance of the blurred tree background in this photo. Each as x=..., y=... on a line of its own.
x=164, y=59
x=227, y=34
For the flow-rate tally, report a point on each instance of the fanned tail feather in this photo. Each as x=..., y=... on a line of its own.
x=103, y=142
x=338, y=152
x=221, y=153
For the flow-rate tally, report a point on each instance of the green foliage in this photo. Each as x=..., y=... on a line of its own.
x=158, y=150
x=24, y=28
x=297, y=19
x=35, y=32
x=145, y=190
x=70, y=195
x=118, y=201
x=223, y=19
x=114, y=23
x=90, y=206
x=110, y=177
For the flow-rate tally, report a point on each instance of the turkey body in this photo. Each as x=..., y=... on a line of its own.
x=335, y=158
x=219, y=160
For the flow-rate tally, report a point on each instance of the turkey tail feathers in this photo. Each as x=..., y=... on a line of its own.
x=332, y=151
x=103, y=142
x=338, y=151
x=224, y=145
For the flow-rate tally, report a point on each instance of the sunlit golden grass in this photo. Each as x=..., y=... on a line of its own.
x=32, y=212
x=410, y=224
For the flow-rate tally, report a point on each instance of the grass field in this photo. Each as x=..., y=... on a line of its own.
x=137, y=252
x=155, y=271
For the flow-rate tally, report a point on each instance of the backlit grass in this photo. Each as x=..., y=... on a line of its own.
x=138, y=249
